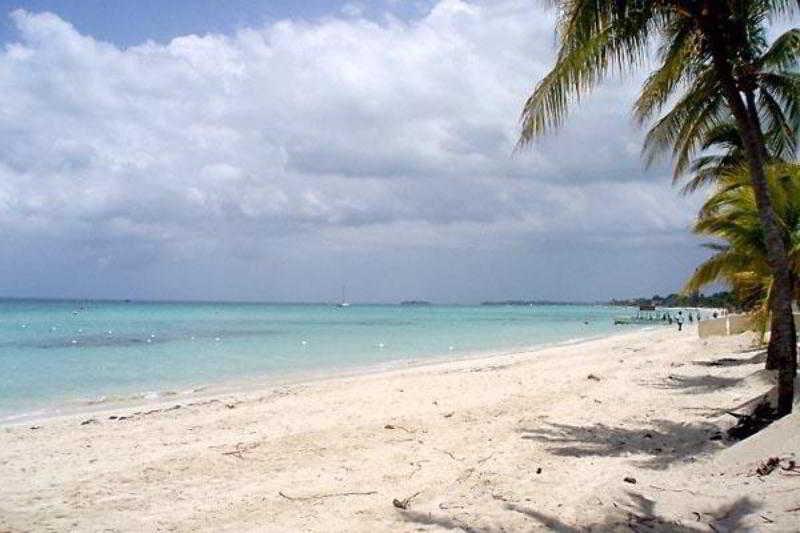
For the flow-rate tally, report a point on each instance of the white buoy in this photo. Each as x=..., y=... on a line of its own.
x=381, y=345
x=303, y=343
x=74, y=341
x=217, y=339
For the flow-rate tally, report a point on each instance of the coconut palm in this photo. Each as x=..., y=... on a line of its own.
x=713, y=58
x=725, y=169
x=723, y=155
x=730, y=215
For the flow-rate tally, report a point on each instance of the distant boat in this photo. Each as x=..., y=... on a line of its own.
x=343, y=302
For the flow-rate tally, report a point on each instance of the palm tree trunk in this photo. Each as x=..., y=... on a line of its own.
x=773, y=348
x=783, y=331
x=773, y=353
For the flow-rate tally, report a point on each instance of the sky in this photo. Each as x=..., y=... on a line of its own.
x=255, y=150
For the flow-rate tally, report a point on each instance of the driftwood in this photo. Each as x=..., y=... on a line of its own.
x=453, y=457
x=791, y=467
x=241, y=449
x=405, y=502
x=391, y=426
x=677, y=490
x=766, y=467
x=323, y=496
x=771, y=464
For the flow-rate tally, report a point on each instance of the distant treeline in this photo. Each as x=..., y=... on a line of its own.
x=724, y=299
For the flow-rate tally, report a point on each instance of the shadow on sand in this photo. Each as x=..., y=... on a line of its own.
x=443, y=521
x=639, y=514
x=759, y=358
x=664, y=443
x=697, y=384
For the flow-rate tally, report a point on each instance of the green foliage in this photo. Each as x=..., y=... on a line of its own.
x=722, y=299
x=604, y=37
x=731, y=217
x=714, y=63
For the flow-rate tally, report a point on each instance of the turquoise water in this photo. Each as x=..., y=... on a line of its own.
x=56, y=354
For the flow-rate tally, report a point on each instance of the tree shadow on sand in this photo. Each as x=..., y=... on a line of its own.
x=663, y=443
x=443, y=521
x=697, y=384
x=639, y=514
x=760, y=357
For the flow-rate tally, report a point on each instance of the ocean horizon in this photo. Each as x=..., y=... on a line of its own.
x=59, y=355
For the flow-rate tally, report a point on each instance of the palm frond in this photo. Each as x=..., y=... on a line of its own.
x=596, y=39
x=780, y=135
x=684, y=127
x=784, y=54
x=676, y=60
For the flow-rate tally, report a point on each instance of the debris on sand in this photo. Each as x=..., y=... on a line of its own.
x=405, y=502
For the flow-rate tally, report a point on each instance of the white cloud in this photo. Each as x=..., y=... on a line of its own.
x=347, y=131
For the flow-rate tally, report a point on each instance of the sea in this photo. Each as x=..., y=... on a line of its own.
x=60, y=356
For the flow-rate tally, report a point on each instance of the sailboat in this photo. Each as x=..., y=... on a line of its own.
x=343, y=302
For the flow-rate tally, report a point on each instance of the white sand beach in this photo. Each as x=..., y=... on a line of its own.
x=532, y=441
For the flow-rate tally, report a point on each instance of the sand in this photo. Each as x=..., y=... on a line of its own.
x=530, y=441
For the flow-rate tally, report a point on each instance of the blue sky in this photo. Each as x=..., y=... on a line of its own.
x=130, y=22
x=276, y=151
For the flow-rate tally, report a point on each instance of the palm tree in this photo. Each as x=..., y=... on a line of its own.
x=731, y=215
x=712, y=54
x=723, y=160
x=725, y=168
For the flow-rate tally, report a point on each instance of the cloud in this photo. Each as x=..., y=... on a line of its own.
x=340, y=134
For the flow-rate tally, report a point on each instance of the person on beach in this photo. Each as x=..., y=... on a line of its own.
x=679, y=321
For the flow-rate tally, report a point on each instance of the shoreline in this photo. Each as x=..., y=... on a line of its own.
x=600, y=434
x=231, y=388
